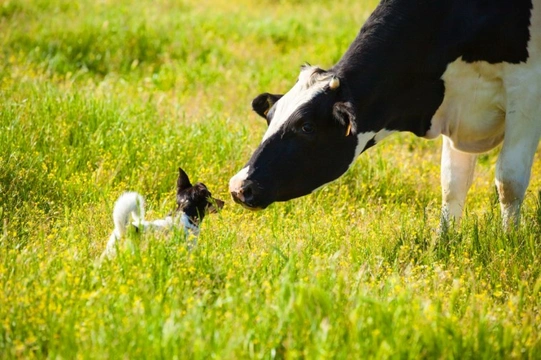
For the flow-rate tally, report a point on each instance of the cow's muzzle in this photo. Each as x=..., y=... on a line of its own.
x=243, y=193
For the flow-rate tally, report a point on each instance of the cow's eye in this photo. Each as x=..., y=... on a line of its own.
x=308, y=128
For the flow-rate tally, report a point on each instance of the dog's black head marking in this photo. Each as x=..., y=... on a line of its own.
x=195, y=200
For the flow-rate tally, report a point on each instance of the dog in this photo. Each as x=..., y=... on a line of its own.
x=193, y=203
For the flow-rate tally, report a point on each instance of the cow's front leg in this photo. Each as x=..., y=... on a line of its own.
x=513, y=171
x=522, y=133
x=457, y=170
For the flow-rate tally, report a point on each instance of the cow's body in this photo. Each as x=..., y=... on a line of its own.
x=469, y=70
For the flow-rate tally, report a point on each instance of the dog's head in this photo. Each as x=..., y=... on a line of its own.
x=195, y=200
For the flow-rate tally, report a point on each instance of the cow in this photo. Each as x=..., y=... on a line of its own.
x=469, y=70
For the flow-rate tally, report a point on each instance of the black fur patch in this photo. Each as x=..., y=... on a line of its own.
x=494, y=30
x=369, y=144
x=194, y=200
x=394, y=67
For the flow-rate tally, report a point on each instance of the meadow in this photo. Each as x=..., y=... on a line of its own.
x=100, y=97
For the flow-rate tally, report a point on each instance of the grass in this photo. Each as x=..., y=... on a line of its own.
x=102, y=97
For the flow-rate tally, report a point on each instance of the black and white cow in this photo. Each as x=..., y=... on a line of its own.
x=469, y=70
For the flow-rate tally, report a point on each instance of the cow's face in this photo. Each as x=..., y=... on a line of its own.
x=311, y=140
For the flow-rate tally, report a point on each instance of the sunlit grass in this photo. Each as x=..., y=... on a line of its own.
x=102, y=97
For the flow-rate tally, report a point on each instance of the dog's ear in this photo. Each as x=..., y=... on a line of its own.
x=262, y=104
x=183, y=181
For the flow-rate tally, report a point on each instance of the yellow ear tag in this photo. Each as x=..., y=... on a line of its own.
x=348, y=131
x=270, y=105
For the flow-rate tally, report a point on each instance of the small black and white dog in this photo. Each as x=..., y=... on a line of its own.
x=193, y=202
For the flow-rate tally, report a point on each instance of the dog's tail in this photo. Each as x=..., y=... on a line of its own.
x=129, y=203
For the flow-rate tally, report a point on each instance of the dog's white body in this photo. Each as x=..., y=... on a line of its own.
x=132, y=205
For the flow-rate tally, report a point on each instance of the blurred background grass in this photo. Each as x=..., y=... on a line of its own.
x=99, y=97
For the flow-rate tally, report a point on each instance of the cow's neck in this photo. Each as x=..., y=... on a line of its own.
x=393, y=68
x=394, y=84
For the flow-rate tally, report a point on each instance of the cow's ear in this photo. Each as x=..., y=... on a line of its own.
x=262, y=103
x=344, y=113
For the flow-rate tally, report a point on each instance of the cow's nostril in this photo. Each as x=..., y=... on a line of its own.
x=248, y=193
x=237, y=196
x=244, y=194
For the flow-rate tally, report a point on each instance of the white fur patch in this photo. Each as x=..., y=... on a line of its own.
x=237, y=180
x=364, y=138
x=306, y=88
x=472, y=113
x=131, y=204
x=189, y=228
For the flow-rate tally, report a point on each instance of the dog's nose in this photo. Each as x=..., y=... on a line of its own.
x=244, y=192
x=219, y=203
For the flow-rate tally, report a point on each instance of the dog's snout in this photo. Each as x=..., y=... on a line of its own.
x=219, y=203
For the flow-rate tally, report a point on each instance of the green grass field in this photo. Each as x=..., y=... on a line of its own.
x=100, y=97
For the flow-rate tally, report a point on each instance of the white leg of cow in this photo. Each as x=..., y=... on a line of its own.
x=513, y=169
x=522, y=133
x=457, y=170
x=512, y=178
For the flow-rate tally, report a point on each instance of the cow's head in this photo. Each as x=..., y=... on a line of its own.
x=312, y=139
